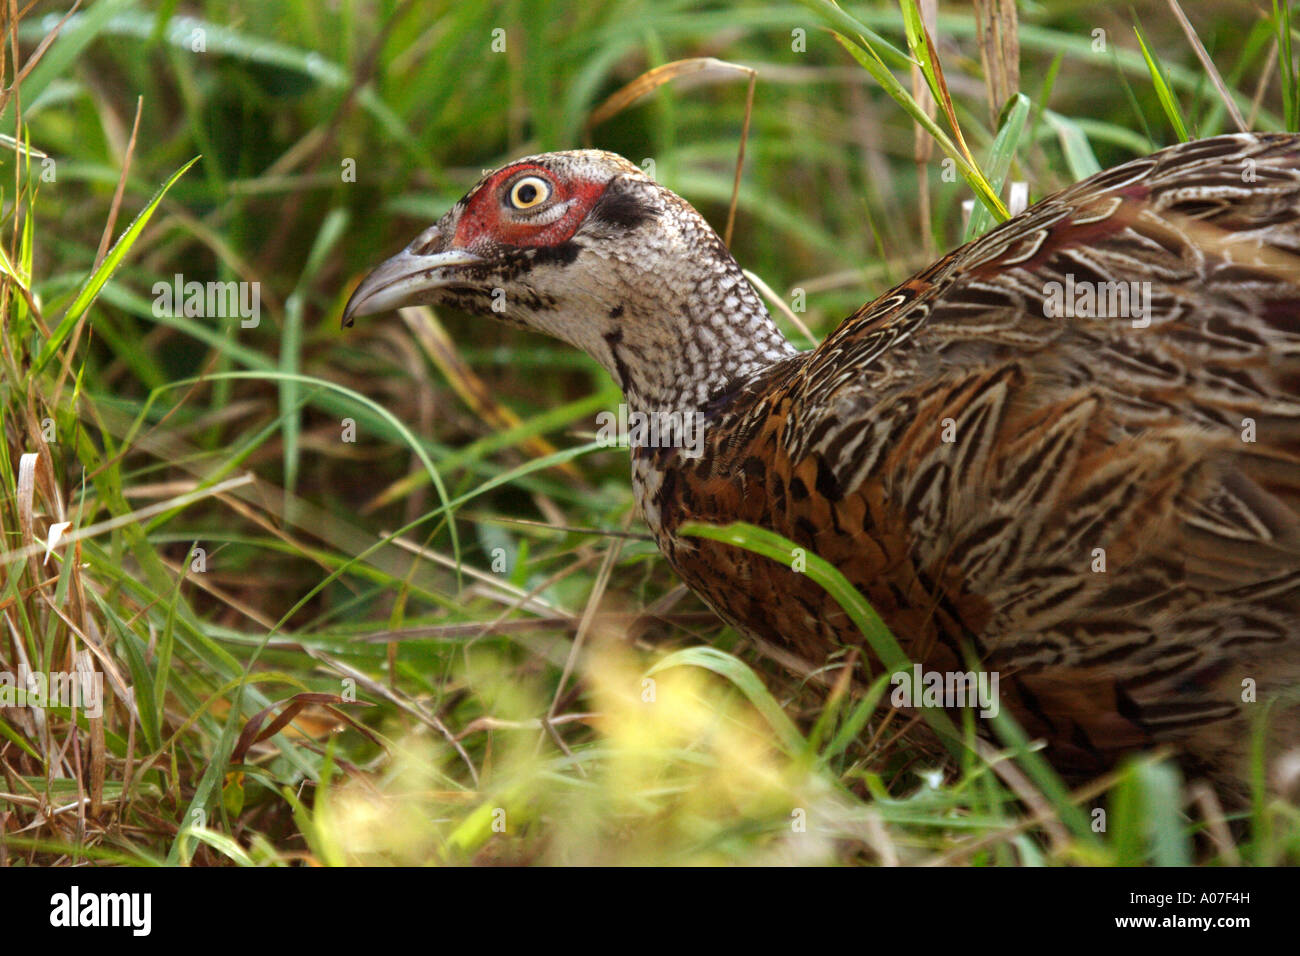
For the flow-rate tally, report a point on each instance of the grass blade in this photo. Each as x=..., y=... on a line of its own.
x=1286, y=66
x=1166, y=96
x=1000, y=156
x=90, y=289
x=746, y=681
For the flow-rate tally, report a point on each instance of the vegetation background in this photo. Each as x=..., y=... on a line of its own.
x=377, y=595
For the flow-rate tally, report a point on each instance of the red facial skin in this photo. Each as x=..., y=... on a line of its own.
x=487, y=218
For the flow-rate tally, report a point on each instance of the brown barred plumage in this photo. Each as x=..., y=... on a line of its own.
x=1104, y=508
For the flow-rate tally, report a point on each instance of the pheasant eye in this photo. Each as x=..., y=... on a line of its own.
x=529, y=192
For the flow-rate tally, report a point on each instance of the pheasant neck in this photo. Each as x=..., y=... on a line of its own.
x=674, y=351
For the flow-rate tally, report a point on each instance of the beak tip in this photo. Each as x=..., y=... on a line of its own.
x=356, y=304
x=349, y=316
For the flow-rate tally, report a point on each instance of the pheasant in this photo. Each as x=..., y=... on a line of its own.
x=1070, y=448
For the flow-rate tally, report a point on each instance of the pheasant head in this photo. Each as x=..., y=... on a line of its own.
x=585, y=247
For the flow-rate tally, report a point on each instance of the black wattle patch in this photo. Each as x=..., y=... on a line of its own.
x=521, y=260
x=621, y=207
x=560, y=254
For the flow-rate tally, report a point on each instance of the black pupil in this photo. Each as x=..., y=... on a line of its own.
x=526, y=193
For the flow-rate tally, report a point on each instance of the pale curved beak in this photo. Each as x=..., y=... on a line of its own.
x=402, y=279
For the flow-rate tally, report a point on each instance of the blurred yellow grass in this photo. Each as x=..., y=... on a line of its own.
x=678, y=768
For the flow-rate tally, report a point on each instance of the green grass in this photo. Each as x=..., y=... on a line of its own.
x=411, y=548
